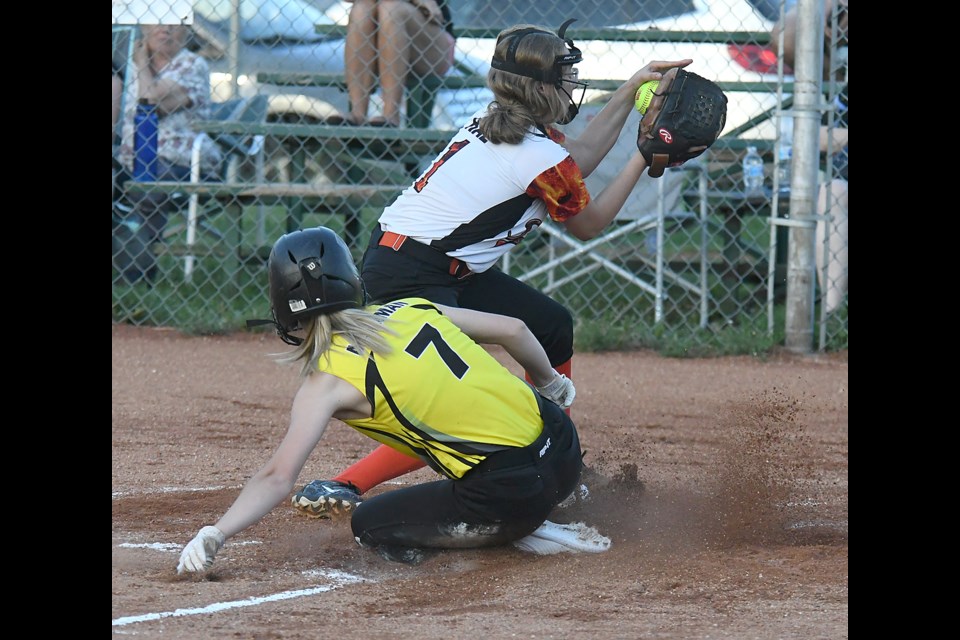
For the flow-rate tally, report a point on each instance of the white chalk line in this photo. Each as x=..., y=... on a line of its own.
x=339, y=579
x=121, y=494
x=813, y=524
x=172, y=546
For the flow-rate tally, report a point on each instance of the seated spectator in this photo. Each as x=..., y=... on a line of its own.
x=177, y=81
x=387, y=40
x=787, y=30
x=117, y=98
x=119, y=175
x=832, y=200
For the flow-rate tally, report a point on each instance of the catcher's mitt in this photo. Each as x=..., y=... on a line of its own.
x=684, y=118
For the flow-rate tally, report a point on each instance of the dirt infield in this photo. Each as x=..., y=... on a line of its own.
x=722, y=484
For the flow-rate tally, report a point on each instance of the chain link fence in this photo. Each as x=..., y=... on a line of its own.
x=691, y=260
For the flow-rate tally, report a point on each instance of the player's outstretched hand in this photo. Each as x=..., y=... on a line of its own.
x=199, y=552
x=560, y=391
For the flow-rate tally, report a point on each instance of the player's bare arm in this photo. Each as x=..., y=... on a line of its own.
x=320, y=397
x=510, y=333
x=604, y=207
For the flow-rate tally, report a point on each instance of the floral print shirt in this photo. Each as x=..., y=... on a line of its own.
x=175, y=133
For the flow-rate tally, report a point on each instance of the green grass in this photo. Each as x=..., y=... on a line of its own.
x=611, y=314
x=749, y=336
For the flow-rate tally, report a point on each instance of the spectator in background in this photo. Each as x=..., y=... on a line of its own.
x=177, y=81
x=832, y=200
x=119, y=175
x=787, y=30
x=389, y=39
x=117, y=98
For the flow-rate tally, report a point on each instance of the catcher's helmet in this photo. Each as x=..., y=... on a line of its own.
x=553, y=75
x=311, y=273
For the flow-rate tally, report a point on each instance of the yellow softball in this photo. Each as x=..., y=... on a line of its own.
x=645, y=95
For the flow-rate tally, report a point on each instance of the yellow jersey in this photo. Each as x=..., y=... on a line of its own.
x=439, y=395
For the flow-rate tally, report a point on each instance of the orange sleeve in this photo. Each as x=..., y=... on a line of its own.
x=556, y=135
x=562, y=189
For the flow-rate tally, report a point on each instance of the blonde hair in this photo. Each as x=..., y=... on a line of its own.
x=518, y=104
x=361, y=328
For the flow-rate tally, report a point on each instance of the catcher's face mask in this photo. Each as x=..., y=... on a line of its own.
x=555, y=74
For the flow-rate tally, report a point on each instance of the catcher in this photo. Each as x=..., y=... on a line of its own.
x=501, y=176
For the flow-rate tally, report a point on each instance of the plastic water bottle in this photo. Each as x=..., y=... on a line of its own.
x=752, y=171
x=145, y=123
x=785, y=155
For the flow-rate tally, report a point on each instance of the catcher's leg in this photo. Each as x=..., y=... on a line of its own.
x=323, y=498
x=550, y=322
x=832, y=200
x=380, y=465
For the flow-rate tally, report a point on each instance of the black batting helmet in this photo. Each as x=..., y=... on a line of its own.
x=311, y=273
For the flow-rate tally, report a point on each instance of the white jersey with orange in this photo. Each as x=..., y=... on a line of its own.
x=478, y=199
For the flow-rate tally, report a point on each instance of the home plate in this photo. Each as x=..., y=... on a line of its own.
x=551, y=537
